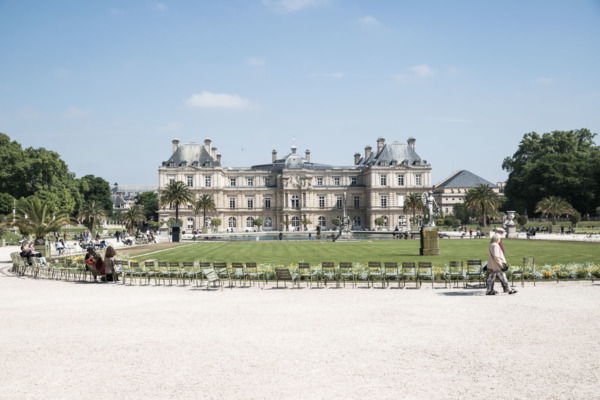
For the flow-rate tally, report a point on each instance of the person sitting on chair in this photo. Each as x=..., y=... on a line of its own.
x=60, y=247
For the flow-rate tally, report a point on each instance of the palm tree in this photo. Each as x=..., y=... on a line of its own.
x=93, y=212
x=554, y=206
x=305, y=221
x=414, y=203
x=205, y=203
x=133, y=215
x=176, y=193
x=483, y=201
x=35, y=216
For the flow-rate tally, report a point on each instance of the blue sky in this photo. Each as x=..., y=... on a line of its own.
x=108, y=85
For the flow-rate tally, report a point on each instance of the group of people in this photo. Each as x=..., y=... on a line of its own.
x=105, y=268
x=29, y=252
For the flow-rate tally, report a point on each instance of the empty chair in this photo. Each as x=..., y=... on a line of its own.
x=474, y=269
x=176, y=272
x=528, y=267
x=188, y=271
x=391, y=272
x=151, y=270
x=346, y=273
x=199, y=274
x=425, y=271
x=305, y=272
x=222, y=271
x=212, y=276
x=455, y=273
x=409, y=271
x=252, y=272
x=164, y=272
x=238, y=272
x=375, y=272
x=329, y=273
x=284, y=275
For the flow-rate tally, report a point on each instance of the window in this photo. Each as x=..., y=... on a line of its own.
x=336, y=181
x=321, y=202
x=322, y=222
x=295, y=201
x=267, y=202
x=250, y=181
x=249, y=222
x=250, y=204
x=418, y=180
x=383, y=180
x=207, y=182
x=295, y=222
x=319, y=181
x=171, y=179
x=400, y=200
x=232, y=202
x=268, y=181
x=400, y=180
x=383, y=201
x=356, y=222
x=338, y=201
x=232, y=182
x=268, y=222
x=356, y=202
x=353, y=181
x=190, y=223
x=385, y=220
x=232, y=222
x=190, y=181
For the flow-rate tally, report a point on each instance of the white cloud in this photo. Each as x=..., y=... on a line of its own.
x=368, y=21
x=544, y=81
x=421, y=71
x=76, y=113
x=217, y=100
x=160, y=7
x=292, y=5
x=255, y=62
x=172, y=126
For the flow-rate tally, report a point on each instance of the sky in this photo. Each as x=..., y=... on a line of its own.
x=109, y=84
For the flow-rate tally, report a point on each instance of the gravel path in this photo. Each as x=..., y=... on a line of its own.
x=105, y=341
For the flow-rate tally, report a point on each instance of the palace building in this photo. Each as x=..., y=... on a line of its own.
x=294, y=192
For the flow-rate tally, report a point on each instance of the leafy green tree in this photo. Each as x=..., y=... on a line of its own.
x=133, y=215
x=336, y=222
x=561, y=163
x=216, y=222
x=305, y=221
x=575, y=218
x=37, y=217
x=462, y=213
x=522, y=220
x=483, y=201
x=149, y=202
x=258, y=222
x=175, y=193
x=205, y=203
x=414, y=203
x=94, y=188
x=6, y=203
x=379, y=221
x=554, y=206
x=91, y=213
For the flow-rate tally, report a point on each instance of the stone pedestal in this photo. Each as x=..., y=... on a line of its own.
x=511, y=229
x=163, y=233
x=429, y=241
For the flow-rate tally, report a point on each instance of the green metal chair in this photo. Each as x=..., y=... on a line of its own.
x=409, y=270
x=284, y=275
x=528, y=267
x=329, y=273
x=305, y=272
x=474, y=268
x=425, y=270
x=223, y=271
x=238, y=272
x=391, y=272
x=253, y=274
x=455, y=273
x=375, y=272
x=346, y=273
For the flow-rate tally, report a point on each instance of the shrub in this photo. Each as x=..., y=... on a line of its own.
x=522, y=220
x=581, y=273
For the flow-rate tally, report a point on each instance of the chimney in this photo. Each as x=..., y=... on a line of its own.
x=367, y=152
x=219, y=159
x=411, y=143
x=380, y=143
x=274, y=157
x=175, y=145
x=213, y=152
x=356, y=158
x=307, y=155
x=207, y=143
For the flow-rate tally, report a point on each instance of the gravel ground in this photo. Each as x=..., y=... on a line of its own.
x=104, y=341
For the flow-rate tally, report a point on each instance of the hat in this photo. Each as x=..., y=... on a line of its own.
x=499, y=230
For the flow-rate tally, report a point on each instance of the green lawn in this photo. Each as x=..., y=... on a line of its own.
x=286, y=253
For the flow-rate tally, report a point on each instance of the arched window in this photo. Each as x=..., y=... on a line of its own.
x=232, y=222
x=295, y=202
x=356, y=222
x=268, y=222
x=295, y=222
x=190, y=223
x=249, y=222
x=322, y=222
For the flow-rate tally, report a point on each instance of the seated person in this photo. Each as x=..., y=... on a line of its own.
x=89, y=258
x=97, y=266
x=127, y=241
x=60, y=246
x=36, y=254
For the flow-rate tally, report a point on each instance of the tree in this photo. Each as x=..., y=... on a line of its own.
x=462, y=213
x=336, y=222
x=483, y=201
x=215, y=222
x=305, y=221
x=554, y=206
x=379, y=221
x=205, y=203
x=286, y=222
x=258, y=222
x=6, y=203
x=561, y=163
x=522, y=220
x=37, y=217
x=133, y=215
x=94, y=188
x=149, y=203
x=414, y=203
x=92, y=213
x=175, y=194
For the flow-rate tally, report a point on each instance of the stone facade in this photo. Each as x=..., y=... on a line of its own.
x=293, y=188
x=452, y=190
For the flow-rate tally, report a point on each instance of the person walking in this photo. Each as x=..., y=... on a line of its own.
x=496, y=260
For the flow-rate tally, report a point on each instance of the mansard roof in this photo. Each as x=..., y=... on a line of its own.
x=394, y=153
x=463, y=179
x=191, y=154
